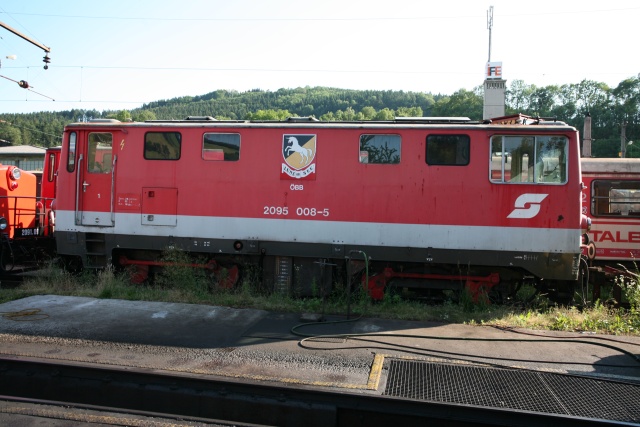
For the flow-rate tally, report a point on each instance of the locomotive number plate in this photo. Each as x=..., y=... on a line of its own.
x=27, y=232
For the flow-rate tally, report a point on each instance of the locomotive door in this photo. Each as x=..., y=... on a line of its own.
x=96, y=178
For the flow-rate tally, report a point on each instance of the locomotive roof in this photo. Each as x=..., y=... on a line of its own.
x=611, y=166
x=311, y=122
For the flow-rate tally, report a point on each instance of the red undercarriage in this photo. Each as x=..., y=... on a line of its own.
x=477, y=285
x=226, y=277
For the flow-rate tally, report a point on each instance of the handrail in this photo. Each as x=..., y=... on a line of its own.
x=78, y=169
x=113, y=192
x=18, y=211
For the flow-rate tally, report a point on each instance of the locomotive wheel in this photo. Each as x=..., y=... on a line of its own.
x=226, y=277
x=7, y=260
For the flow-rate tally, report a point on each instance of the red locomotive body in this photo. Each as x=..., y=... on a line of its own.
x=48, y=186
x=18, y=208
x=611, y=199
x=430, y=203
x=26, y=218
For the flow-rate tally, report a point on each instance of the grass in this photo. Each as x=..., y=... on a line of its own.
x=197, y=286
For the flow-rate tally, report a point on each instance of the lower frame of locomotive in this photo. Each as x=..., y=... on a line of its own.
x=304, y=270
x=21, y=254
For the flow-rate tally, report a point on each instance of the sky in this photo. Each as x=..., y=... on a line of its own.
x=119, y=55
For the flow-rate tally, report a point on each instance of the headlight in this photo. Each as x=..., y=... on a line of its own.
x=3, y=223
x=15, y=174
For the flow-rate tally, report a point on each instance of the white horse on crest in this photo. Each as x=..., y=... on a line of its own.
x=306, y=153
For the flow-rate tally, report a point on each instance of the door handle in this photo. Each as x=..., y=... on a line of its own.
x=85, y=184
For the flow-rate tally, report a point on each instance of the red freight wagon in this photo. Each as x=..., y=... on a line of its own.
x=430, y=203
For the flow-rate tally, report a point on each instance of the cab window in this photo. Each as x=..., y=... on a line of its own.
x=528, y=159
x=71, y=154
x=99, y=152
x=51, y=167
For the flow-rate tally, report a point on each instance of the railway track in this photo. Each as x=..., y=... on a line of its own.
x=206, y=398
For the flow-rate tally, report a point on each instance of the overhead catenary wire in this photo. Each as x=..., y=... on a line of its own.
x=527, y=13
x=25, y=85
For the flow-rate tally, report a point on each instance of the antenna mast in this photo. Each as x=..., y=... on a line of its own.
x=489, y=26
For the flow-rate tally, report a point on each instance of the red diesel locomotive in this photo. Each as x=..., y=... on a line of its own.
x=26, y=215
x=428, y=204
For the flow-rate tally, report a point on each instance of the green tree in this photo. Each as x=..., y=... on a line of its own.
x=122, y=115
x=385, y=114
x=143, y=115
x=627, y=106
x=328, y=117
x=518, y=97
x=10, y=133
x=409, y=112
x=368, y=113
x=347, y=115
x=269, y=115
x=463, y=103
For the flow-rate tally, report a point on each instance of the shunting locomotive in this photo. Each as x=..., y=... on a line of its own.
x=26, y=214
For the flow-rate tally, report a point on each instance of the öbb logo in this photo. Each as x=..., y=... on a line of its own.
x=527, y=206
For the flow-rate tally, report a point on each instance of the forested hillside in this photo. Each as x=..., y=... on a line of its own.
x=608, y=107
x=317, y=101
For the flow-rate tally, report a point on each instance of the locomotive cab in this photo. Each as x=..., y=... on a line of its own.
x=18, y=208
x=26, y=213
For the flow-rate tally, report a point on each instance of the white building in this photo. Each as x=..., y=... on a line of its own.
x=26, y=157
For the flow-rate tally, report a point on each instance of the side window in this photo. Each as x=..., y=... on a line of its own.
x=221, y=146
x=162, y=145
x=450, y=150
x=528, y=159
x=51, y=167
x=383, y=149
x=71, y=155
x=99, y=152
x=615, y=198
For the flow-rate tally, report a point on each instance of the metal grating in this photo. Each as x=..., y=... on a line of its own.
x=514, y=389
